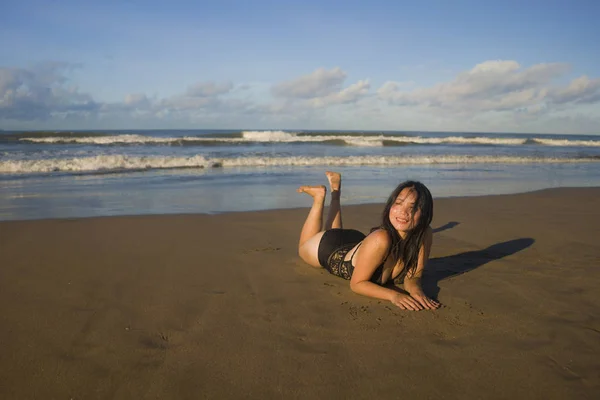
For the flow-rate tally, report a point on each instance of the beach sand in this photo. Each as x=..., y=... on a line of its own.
x=220, y=306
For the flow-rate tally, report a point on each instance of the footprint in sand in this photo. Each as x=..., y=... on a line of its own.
x=157, y=341
x=563, y=370
x=356, y=311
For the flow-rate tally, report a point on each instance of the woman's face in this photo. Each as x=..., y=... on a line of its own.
x=401, y=214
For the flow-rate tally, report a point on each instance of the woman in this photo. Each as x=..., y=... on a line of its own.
x=399, y=246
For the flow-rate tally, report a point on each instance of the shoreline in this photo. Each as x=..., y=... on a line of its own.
x=291, y=208
x=220, y=306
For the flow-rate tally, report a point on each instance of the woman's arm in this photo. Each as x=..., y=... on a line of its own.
x=412, y=281
x=371, y=254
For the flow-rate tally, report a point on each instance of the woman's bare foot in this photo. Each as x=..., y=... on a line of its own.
x=317, y=192
x=335, y=180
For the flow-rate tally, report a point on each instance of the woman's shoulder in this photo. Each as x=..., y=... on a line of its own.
x=375, y=246
x=379, y=237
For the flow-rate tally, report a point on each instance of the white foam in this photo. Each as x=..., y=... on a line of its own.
x=268, y=136
x=565, y=142
x=457, y=140
x=290, y=137
x=123, y=162
x=101, y=163
x=363, y=142
x=392, y=161
x=101, y=139
x=484, y=140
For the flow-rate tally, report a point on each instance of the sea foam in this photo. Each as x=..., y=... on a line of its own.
x=291, y=137
x=125, y=162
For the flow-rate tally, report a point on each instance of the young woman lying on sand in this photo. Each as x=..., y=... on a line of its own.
x=399, y=246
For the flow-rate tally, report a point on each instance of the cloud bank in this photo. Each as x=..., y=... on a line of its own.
x=493, y=95
x=497, y=86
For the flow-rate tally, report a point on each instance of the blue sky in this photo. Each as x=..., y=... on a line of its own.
x=504, y=66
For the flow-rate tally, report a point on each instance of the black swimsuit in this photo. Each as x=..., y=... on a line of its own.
x=334, y=246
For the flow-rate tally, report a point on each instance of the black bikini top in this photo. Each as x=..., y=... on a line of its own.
x=377, y=274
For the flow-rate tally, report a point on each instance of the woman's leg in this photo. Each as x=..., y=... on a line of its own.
x=334, y=216
x=311, y=234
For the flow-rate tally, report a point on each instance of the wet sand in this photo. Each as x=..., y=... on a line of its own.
x=220, y=306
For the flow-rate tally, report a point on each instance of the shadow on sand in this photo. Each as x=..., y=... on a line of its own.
x=445, y=267
x=449, y=225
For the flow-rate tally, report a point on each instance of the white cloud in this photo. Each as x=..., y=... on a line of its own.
x=350, y=94
x=204, y=98
x=137, y=100
x=320, y=89
x=208, y=89
x=182, y=103
x=493, y=95
x=12, y=78
x=580, y=90
x=319, y=83
x=41, y=92
x=497, y=86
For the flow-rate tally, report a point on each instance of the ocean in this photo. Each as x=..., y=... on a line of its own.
x=101, y=173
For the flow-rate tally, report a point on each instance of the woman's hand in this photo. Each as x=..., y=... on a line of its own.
x=406, y=302
x=424, y=301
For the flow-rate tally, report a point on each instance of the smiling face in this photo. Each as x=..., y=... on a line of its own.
x=403, y=215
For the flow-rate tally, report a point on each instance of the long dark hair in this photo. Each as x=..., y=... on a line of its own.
x=408, y=249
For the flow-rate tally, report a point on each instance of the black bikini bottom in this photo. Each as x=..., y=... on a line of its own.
x=334, y=246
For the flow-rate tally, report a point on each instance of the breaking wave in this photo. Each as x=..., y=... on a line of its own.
x=135, y=163
x=270, y=137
